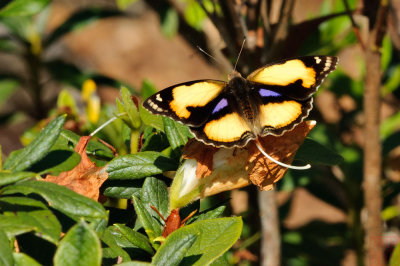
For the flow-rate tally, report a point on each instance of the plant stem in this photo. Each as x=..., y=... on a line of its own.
x=33, y=65
x=372, y=145
x=271, y=240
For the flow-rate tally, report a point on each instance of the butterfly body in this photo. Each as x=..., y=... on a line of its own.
x=270, y=101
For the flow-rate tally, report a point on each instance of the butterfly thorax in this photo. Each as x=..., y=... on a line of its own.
x=240, y=88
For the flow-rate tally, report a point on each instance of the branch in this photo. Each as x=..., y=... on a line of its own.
x=271, y=239
x=372, y=144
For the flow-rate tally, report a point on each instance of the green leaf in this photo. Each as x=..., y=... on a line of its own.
x=6, y=256
x=134, y=263
x=150, y=119
x=155, y=193
x=139, y=165
x=214, y=238
x=173, y=253
x=66, y=100
x=23, y=8
x=123, y=189
x=176, y=134
x=151, y=226
x=170, y=23
x=7, y=88
x=136, y=238
x=78, y=20
x=315, y=153
x=390, y=125
x=21, y=259
x=56, y=161
x=9, y=178
x=195, y=15
x=69, y=139
x=60, y=198
x=124, y=4
x=37, y=149
x=148, y=89
x=131, y=118
x=395, y=258
x=114, y=250
x=22, y=214
x=207, y=214
x=80, y=246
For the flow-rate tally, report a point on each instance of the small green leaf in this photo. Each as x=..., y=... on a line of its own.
x=23, y=8
x=177, y=135
x=134, y=263
x=127, y=106
x=148, y=89
x=214, y=238
x=315, y=153
x=170, y=23
x=151, y=226
x=7, y=88
x=390, y=125
x=207, y=214
x=139, y=165
x=22, y=214
x=6, y=256
x=66, y=100
x=37, y=149
x=155, y=193
x=150, y=119
x=395, y=258
x=9, y=178
x=124, y=4
x=60, y=198
x=171, y=254
x=114, y=250
x=123, y=189
x=21, y=259
x=195, y=15
x=135, y=238
x=80, y=246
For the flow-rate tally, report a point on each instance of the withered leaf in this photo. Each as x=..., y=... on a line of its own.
x=86, y=178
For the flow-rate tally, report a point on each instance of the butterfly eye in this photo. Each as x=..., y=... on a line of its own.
x=220, y=105
x=268, y=93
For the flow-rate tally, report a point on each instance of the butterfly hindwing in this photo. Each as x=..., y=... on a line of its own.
x=225, y=126
x=296, y=78
x=278, y=113
x=186, y=102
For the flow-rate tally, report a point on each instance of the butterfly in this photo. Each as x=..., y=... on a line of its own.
x=270, y=101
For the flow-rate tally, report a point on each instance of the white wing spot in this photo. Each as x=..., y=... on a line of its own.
x=158, y=98
x=317, y=59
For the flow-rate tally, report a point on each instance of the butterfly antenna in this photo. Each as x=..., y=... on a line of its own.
x=240, y=52
x=204, y=52
x=307, y=166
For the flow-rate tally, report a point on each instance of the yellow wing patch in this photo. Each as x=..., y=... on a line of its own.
x=284, y=74
x=278, y=115
x=195, y=95
x=228, y=128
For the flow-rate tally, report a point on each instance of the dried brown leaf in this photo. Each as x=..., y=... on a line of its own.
x=86, y=178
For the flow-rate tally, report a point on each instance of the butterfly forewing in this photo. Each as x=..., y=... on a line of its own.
x=186, y=102
x=296, y=78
